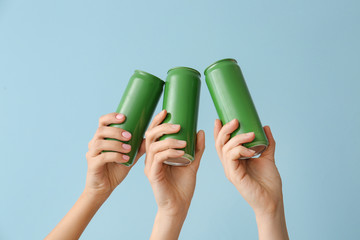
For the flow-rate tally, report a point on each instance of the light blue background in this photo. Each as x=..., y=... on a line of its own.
x=63, y=64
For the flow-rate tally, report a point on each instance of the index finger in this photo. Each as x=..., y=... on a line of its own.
x=159, y=118
x=225, y=132
x=200, y=147
x=217, y=128
x=111, y=118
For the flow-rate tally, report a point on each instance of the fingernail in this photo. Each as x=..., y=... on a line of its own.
x=126, y=157
x=249, y=134
x=120, y=116
x=126, y=134
x=179, y=152
x=180, y=142
x=175, y=126
x=234, y=120
x=126, y=146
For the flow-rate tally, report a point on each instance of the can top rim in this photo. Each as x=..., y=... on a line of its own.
x=187, y=68
x=149, y=74
x=222, y=60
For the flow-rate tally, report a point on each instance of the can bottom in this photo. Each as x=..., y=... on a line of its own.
x=180, y=161
x=258, y=150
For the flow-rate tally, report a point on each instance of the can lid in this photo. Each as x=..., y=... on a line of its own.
x=186, y=68
x=222, y=60
x=258, y=150
x=180, y=161
x=148, y=74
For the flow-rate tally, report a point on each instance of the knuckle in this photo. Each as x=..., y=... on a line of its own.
x=102, y=118
x=156, y=157
x=225, y=148
x=90, y=144
x=100, y=131
x=152, y=148
x=157, y=117
x=102, y=157
x=97, y=135
x=226, y=156
x=230, y=155
x=217, y=144
x=147, y=135
x=147, y=147
x=224, y=153
x=96, y=143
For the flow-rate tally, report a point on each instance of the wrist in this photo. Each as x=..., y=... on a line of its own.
x=95, y=196
x=272, y=209
x=167, y=226
x=173, y=211
x=272, y=224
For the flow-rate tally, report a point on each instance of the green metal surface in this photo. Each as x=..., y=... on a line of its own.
x=138, y=104
x=232, y=100
x=181, y=100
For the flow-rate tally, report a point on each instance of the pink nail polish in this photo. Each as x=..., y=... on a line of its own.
x=126, y=157
x=119, y=116
x=175, y=126
x=126, y=134
x=126, y=146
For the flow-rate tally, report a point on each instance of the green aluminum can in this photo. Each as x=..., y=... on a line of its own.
x=181, y=101
x=138, y=104
x=232, y=100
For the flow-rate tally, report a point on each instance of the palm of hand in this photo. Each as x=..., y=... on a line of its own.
x=115, y=174
x=104, y=179
x=259, y=182
x=174, y=186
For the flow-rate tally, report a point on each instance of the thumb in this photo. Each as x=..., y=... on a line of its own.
x=200, y=147
x=140, y=152
x=270, y=151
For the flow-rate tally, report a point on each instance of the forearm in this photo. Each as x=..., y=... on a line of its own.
x=272, y=225
x=79, y=216
x=167, y=227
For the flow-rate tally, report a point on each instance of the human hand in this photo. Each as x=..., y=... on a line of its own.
x=105, y=172
x=173, y=186
x=257, y=179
